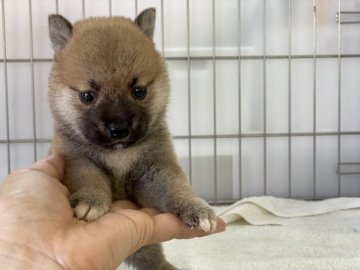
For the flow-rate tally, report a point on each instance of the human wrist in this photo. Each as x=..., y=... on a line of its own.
x=16, y=256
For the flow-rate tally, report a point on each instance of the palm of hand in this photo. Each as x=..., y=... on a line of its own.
x=41, y=202
x=38, y=227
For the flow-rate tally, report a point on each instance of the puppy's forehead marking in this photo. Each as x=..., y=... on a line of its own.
x=133, y=82
x=94, y=85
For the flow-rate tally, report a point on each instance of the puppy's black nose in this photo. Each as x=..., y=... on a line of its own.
x=117, y=132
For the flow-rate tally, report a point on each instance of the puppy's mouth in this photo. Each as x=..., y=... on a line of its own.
x=103, y=139
x=106, y=140
x=119, y=144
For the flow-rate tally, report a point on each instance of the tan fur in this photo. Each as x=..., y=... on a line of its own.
x=112, y=52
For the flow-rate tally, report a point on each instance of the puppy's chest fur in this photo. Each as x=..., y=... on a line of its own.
x=124, y=169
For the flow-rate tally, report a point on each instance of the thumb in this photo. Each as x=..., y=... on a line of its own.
x=122, y=233
x=53, y=166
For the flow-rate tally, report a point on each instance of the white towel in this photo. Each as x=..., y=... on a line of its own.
x=267, y=210
x=317, y=235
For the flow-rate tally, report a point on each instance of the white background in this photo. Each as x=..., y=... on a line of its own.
x=262, y=28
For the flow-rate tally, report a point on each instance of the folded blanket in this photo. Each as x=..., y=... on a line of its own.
x=320, y=235
x=267, y=210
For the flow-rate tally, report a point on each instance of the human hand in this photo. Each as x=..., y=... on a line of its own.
x=39, y=231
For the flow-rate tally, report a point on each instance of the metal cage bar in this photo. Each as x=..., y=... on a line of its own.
x=217, y=57
x=162, y=29
x=239, y=96
x=314, y=98
x=110, y=8
x=340, y=14
x=136, y=8
x=289, y=99
x=265, y=96
x=57, y=6
x=83, y=3
x=32, y=77
x=339, y=98
x=6, y=88
x=189, y=85
x=214, y=100
x=340, y=170
x=225, y=136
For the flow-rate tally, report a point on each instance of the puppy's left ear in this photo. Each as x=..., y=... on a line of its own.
x=146, y=21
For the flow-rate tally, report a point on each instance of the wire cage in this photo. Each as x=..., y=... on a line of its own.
x=265, y=94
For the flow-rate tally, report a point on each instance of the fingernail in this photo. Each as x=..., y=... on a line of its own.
x=221, y=226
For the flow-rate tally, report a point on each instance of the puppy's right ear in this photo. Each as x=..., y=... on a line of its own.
x=60, y=30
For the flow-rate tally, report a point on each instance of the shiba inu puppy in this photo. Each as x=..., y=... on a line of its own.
x=108, y=93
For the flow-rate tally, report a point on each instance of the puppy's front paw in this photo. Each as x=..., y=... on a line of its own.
x=198, y=214
x=88, y=206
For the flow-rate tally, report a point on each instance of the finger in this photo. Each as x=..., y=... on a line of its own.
x=187, y=232
x=149, y=211
x=123, y=204
x=168, y=226
x=220, y=225
x=53, y=165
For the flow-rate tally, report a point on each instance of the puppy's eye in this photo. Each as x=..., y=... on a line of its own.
x=87, y=97
x=139, y=92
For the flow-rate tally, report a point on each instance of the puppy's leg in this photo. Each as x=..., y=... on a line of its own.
x=163, y=185
x=90, y=189
x=150, y=257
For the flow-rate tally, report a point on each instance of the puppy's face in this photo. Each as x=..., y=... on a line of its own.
x=108, y=85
